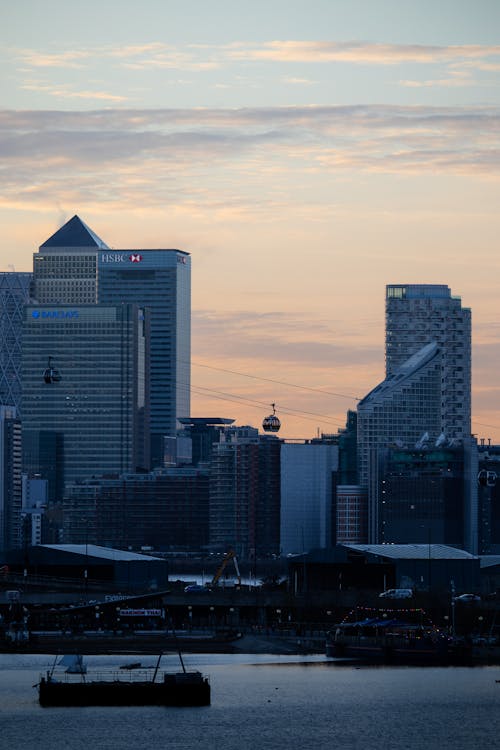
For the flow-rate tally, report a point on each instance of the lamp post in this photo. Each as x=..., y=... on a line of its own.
x=452, y=584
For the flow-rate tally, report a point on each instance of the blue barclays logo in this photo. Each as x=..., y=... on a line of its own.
x=55, y=314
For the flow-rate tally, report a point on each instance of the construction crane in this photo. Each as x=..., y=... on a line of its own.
x=230, y=555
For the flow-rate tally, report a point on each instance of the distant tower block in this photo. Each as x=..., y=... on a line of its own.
x=271, y=423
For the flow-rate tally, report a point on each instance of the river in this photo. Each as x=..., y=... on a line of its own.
x=262, y=702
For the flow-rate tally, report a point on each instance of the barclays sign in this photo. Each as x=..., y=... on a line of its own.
x=54, y=314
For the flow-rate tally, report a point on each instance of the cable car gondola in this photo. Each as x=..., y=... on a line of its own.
x=51, y=374
x=271, y=423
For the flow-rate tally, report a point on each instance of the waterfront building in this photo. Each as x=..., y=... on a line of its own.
x=163, y=510
x=85, y=391
x=421, y=496
x=404, y=410
x=245, y=493
x=488, y=480
x=10, y=479
x=307, y=491
x=425, y=399
x=75, y=266
x=420, y=314
x=15, y=290
x=351, y=516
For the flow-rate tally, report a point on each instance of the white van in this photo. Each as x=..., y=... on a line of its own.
x=396, y=594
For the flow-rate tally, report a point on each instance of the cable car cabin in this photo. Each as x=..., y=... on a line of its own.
x=271, y=423
x=51, y=374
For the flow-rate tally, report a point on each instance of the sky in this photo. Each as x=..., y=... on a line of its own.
x=304, y=154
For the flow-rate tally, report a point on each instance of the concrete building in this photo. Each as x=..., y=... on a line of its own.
x=245, y=493
x=85, y=391
x=166, y=510
x=351, y=514
x=425, y=399
x=307, y=508
x=420, y=314
x=10, y=479
x=402, y=410
x=75, y=267
x=15, y=290
x=421, y=496
x=488, y=480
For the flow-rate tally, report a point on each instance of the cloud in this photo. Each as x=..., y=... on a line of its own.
x=67, y=93
x=280, y=338
x=359, y=52
x=214, y=160
x=64, y=59
x=206, y=57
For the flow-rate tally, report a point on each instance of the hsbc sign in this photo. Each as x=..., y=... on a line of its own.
x=121, y=257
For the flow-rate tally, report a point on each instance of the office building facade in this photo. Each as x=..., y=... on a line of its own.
x=85, y=391
x=15, y=291
x=307, y=495
x=245, y=493
x=10, y=479
x=420, y=314
x=425, y=399
x=75, y=266
x=165, y=510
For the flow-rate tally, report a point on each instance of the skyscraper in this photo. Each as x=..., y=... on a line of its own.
x=10, y=479
x=425, y=400
x=245, y=492
x=75, y=266
x=14, y=294
x=420, y=314
x=85, y=391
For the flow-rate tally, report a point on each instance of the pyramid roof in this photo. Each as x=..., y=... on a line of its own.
x=75, y=233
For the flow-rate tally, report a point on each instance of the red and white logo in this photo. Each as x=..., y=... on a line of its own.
x=135, y=258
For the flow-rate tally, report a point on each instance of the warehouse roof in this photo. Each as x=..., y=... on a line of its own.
x=413, y=551
x=93, y=550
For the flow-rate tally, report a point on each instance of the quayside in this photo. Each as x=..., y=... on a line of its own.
x=394, y=636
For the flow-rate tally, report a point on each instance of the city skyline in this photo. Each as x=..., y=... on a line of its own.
x=305, y=158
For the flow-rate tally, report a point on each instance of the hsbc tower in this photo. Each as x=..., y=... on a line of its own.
x=75, y=266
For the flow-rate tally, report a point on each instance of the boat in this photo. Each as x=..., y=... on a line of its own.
x=74, y=664
x=129, y=688
x=405, y=637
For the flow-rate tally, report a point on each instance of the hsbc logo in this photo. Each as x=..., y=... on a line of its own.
x=120, y=258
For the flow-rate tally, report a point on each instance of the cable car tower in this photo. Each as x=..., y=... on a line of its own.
x=271, y=423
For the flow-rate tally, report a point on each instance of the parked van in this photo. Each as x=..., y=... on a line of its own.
x=396, y=594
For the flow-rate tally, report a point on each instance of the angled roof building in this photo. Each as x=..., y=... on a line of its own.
x=74, y=234
x=403, y=408
x=74, y=266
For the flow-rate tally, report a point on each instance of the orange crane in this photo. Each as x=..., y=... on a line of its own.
x=230, y=555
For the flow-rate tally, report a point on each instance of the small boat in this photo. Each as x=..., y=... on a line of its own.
x=74, y=664
x=130, y=688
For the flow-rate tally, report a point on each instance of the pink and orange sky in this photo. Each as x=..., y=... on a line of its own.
x=304, y=154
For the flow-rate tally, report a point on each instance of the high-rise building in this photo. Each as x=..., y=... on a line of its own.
x=245, y=493
x=427, y=390
x=10, y=479
x=422, y=496
x=420, y=314
x=75, y=267
x=425, y=399
x=14, y=294
x=85, y=391
x=307, y=491
x=402, y=410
